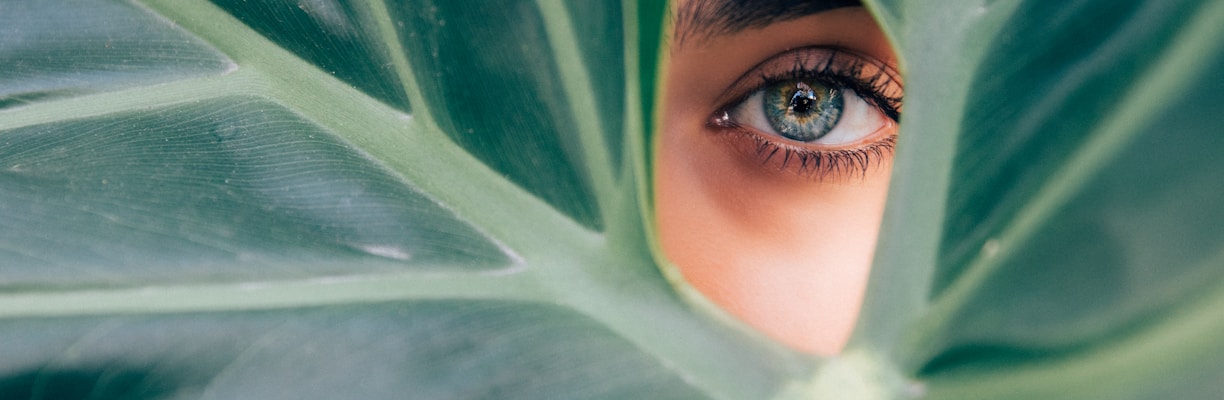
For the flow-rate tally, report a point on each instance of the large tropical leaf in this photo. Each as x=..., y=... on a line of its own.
x=442, y=199
x=329, y=199
x=1081, y=254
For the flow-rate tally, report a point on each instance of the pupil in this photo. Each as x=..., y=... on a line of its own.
x=801, y=103
x=804, y=99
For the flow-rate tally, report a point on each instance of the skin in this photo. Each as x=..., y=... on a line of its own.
x=787, y=254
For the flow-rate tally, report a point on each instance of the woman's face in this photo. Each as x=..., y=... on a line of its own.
x=774, y=158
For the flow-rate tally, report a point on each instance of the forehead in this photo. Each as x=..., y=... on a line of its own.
x=701, y=19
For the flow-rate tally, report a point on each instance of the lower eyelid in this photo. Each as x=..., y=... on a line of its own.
x=771, y=155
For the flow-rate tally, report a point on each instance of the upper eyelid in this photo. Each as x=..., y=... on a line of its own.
x=788, y=61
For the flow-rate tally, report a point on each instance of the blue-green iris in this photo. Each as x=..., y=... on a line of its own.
x=802, y=112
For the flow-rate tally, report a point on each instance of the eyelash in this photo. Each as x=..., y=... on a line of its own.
x=875, y=89
x=820, y=164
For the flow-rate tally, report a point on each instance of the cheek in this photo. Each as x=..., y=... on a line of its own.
x=716, y=204
x=704, y=180
x=787, y=255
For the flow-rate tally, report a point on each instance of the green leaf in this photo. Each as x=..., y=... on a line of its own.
x=439, y=350
x=429, y=199
x=1080, y=252
x=55, y=52
x=218, y=189
x=348, y=199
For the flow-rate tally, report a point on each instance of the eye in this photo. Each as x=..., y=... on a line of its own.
x=819, y=112
x=808, y=111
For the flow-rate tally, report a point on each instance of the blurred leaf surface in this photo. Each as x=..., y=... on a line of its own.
x=483, y=64
x=1081, y=254
x=227, y=189
x=363, y=199
x=340, y=37
x=439, y=350
x=62, y=48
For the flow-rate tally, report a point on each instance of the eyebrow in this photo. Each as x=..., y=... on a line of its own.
x=705, y=18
